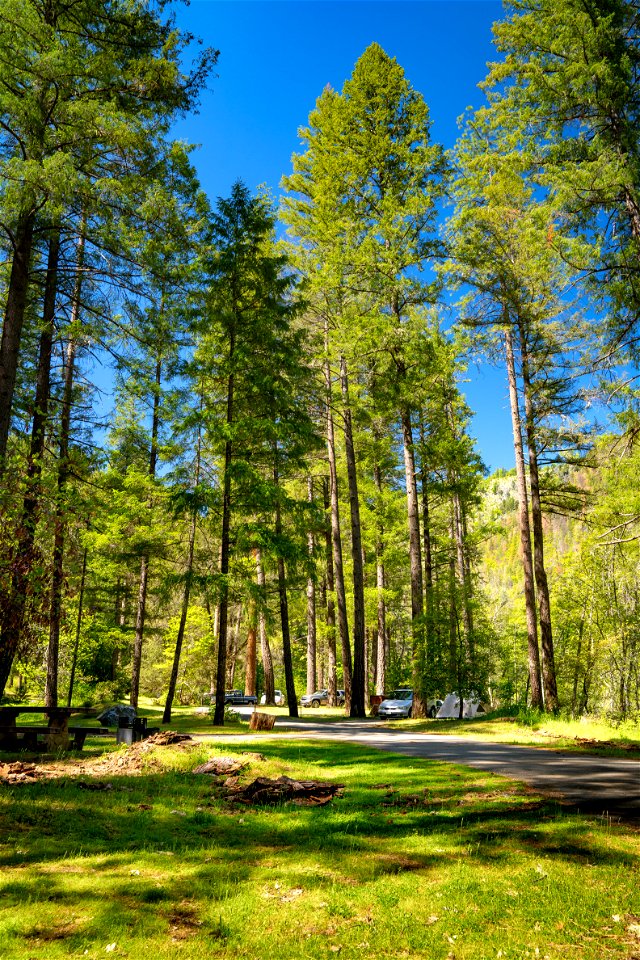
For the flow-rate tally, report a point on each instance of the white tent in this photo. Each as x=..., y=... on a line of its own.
x=450, y=709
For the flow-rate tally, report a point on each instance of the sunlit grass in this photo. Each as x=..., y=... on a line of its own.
x=444, y=861
x=586, y=733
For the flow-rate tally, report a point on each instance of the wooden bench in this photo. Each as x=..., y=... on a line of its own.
x=27, y=736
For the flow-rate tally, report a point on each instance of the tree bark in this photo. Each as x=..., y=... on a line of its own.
x=431, y=633
x=311, y=607
x=454, y=670
x=13, y=321
x=381, y=662
x=332, y=682
x=173, y=679
x=141, y=610
x=12, y=618
x=357, y=708
x=464, y=576
x=415, y=561
x=251, y=657
x=225, y=543
x=542, y=586
x=233, y=646
x=76, y=644
x=336, y=541
x=292, y=699
x=64, y=466
x=267, y=659
x=525, y=530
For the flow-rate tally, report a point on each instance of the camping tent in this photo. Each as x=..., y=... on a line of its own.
x=450, y=709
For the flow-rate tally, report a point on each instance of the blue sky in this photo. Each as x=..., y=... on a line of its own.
x=276, y=56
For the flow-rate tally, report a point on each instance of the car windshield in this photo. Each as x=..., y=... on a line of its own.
x=401, y=695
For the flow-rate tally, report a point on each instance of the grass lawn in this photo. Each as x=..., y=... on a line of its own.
x=417, y=859
x=587, y=734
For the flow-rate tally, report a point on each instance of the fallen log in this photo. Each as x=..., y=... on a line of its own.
x=219, y=766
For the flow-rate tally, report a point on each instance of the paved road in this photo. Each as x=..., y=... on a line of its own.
x=601, y=785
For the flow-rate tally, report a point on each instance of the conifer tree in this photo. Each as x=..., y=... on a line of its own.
x=79, y=85
x=362, y=205
x=248, y=344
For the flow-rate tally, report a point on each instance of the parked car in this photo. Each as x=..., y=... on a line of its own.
x=237, y=698
x=279, y=698
x=397, y=704
x=314, y=699
x=400, y=704
x=320, y=697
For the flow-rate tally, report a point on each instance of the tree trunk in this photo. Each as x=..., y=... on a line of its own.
x=13, y=322
x=311, y=607
x=225, y=544
x=415, y=561
x=336, y=541
x=292, y=699
x=381, y=663
x=454, y=671
x=525, y=531
x=76, y=644
x=141, y=610
x=60, y=523
x=576, y=669
x=357, y=708
x=432, y=646
x=267, y=659
x=173, y=679
x=250, y=664
x=232, y=651
x=464, y=576
x=542, y=586
x=332, y=682
x=12, y=618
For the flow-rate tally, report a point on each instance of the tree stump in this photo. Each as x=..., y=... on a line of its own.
x=261, y=721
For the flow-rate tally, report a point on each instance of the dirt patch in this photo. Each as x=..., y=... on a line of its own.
x=24, y=772
x=265, y=792
x=51, y=934
x=408, y=801
x=134, y=758
x=183, y=922
x=131, y=760
x=19, y=772
x=396, y=863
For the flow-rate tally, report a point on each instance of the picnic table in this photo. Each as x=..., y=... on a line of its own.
x=57, y=733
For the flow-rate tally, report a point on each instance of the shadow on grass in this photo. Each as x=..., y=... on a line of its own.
x=159, y=853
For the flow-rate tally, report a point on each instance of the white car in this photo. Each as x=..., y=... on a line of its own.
x=279, y=699
x=400, y=704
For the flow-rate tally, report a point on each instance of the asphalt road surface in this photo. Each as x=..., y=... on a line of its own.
x=591, y=784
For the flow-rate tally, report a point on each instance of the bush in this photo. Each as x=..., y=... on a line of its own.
x=230, y=715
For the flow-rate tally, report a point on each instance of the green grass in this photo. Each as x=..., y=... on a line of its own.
x=588, y=734
x=449, y=862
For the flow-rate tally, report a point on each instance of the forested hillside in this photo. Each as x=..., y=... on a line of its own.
x=234, y=445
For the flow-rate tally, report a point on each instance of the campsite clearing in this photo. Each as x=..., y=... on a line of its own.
x=418, y=859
